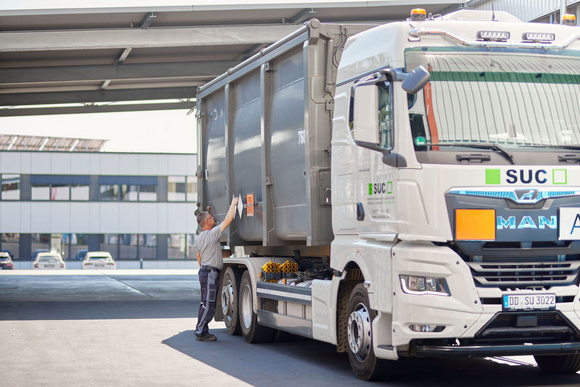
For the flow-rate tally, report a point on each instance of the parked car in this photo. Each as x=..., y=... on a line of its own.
x=9, y=253
x=99, y=260
x=6, y=261
x=48, y=260
x=81, y=255
x=36, y=252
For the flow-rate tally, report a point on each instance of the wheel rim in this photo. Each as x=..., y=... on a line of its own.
x=227, y=299
x=246, y=309
x=359, y=332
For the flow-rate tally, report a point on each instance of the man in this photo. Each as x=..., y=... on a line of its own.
x=210, y=260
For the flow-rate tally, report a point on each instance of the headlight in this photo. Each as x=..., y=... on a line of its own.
x=412, y=284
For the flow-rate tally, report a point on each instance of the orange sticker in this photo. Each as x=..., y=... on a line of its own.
x=250, y=205
x=474, y=225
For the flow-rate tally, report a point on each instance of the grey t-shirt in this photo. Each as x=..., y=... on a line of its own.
x=207, y=244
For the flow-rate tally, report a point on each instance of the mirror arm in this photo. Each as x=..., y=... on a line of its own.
x=389, y=158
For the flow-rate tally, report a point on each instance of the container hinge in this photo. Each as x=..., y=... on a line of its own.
x=330, y=105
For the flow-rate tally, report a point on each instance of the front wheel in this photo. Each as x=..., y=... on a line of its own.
x=229, y=300
x=251, y=330
x=558, y=364
x=363, y=361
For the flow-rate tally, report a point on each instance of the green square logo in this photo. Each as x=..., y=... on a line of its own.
x=559, y=176
x=370, y=188
x=492, y=176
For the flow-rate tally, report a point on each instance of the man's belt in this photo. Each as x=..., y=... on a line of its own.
x=210, y=268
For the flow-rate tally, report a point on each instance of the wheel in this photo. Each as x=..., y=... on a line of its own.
x=229, y=300
x=559, y=364
x=251, y=330
x=363, y=361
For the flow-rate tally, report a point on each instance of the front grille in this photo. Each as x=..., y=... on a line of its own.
x=522, y=275
x=527, y=326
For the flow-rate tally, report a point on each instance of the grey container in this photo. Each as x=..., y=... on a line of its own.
x=265, y=130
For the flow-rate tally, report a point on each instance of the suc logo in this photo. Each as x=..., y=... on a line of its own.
x=526, y=176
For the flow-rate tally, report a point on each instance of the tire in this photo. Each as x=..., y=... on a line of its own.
x=363, y=361
x=251, y=330
x=229, y=300
x=559, y=364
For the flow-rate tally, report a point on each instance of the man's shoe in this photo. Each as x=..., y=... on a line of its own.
x=206, y=337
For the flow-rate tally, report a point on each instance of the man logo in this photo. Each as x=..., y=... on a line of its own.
x=526, y=195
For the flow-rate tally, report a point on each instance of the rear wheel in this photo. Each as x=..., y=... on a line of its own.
x=251, y=330
x=363, y=361
x=229, y=300
x=559, y=364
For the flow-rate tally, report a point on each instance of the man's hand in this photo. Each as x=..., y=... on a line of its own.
x=230, y=214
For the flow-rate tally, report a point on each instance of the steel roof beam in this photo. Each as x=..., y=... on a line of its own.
x=138, y=38
x=25, y=99
x=181, y=105
x=160, y=71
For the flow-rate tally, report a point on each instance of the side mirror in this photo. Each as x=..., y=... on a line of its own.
x=366, y=119
x=416, y=80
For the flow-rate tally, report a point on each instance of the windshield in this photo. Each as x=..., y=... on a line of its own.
x=48, y=258
x=98, y=258
x=514, y=99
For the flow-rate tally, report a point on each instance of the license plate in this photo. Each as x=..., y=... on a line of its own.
x=529, y=301
x=50, y=266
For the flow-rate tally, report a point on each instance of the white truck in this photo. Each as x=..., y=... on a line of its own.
x=423, y=179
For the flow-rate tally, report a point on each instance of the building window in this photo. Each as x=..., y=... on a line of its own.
x=147, y=193
x=191, y=189
x=79, y=192
x=59, y=187
x=128, y=188
x=76, y=246
x=10, y=187
x=59, y=192
x=176, y=246
x=40, y=191
x=148, y=246
x=176, y=188
x=40, y=242
x=10, y=244
x=129, y=193
x=110, y=243
x=109, y=192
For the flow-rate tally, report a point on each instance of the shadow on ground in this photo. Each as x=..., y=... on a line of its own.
x=96, y=310
x=314, y=363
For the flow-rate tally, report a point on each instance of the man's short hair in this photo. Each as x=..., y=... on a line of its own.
x=202, y=217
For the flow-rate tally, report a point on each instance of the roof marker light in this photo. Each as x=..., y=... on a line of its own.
x=496, y=36
x=538, y=36
x=569, y=19
x=418, y=14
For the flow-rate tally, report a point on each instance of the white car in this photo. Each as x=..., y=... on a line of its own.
x=98, y=260
x=48, y=260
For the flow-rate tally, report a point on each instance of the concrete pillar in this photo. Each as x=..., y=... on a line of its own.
x=95, y=242
x=161, y=251
x=25, y=247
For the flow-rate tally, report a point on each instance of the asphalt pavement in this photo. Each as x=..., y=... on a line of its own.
x=135, y=328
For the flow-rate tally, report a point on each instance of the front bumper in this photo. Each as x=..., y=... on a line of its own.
x=496, y=350
x=472, y=319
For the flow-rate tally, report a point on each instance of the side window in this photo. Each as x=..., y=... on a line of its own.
x=385, y=115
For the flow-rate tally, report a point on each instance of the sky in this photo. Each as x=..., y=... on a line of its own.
x=163, y=131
